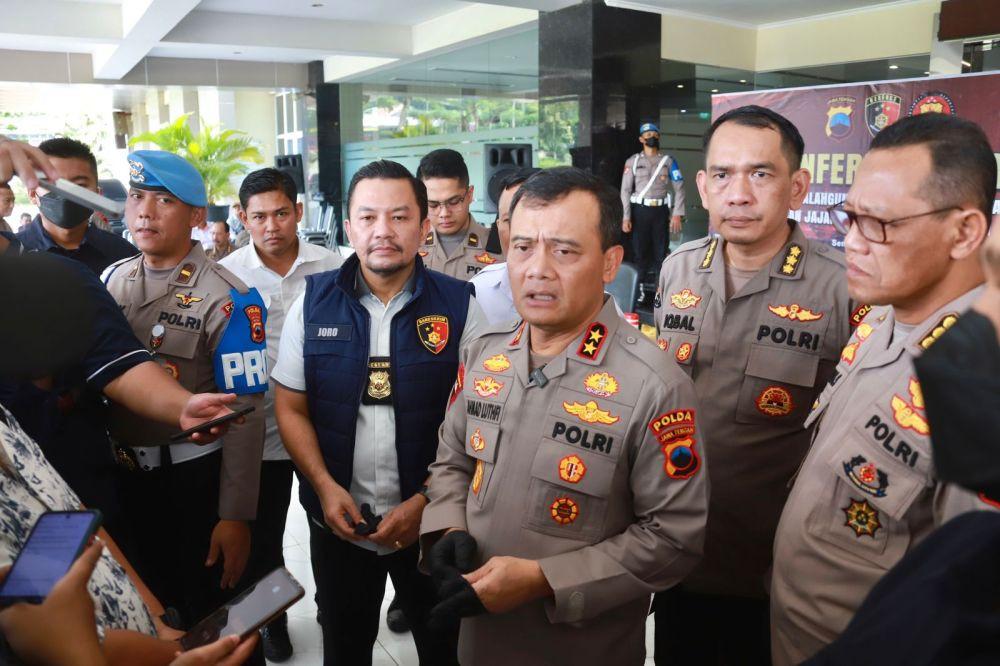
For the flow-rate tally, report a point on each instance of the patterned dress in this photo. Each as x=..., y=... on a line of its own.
x=29, y=486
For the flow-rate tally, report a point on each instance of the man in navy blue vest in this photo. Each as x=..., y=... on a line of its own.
x=367, y=359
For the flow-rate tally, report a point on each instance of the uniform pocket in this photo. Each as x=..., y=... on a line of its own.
x=864, y=503
x=568, y=493
x=179, y=343
x=778, y=385
x=481, y=444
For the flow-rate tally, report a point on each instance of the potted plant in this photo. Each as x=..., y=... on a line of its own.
x=217, y=155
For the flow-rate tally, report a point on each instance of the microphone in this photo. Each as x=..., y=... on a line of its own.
x=539, y=377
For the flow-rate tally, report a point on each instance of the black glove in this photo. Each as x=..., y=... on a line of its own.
x=370, y=524
x=455, y=552
x=458, y=600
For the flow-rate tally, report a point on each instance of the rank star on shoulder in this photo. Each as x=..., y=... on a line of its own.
x=596, y=335
x=589, y=348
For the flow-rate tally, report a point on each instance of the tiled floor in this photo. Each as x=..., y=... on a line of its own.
x=390, y=650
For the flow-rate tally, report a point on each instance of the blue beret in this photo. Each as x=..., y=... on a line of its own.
x=160, y=170
x=648, y=127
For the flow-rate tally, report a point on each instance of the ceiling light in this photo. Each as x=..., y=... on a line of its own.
x=743, y=80
x=680, y=85
x=684, y=110
x=715, y=90
x=967, y=63
x=927, y=73
x=893, y=66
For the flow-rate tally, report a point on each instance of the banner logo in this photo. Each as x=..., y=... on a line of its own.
x=882, y=110
x=933, y=102
x=838, y=117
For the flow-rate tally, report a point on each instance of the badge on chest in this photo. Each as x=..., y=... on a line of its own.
x=379, y=388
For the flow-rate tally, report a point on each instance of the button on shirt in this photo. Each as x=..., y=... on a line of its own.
x=98, y=250
x=279, y=293
x=375, y=479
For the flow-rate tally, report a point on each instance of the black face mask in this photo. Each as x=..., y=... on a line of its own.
x=653, y=142
x=62, y=212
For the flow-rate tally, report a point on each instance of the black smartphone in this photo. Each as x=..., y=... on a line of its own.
x=252, y=609
x=55, y=542
x=208, y=425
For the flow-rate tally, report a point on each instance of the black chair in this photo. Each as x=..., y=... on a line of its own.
x=625, y=287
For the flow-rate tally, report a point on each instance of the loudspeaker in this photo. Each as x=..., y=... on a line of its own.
x=292, y=165
x=498, y=158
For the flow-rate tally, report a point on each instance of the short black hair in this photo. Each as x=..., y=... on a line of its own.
x=444, y=163
x=268, y=179
x=68, y=148
x=389, y=170
x=221, y=222
x=513, y=177
x=760, y=117
x=963, y=167
x=550, y=185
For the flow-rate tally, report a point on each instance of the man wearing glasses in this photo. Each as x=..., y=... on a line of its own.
x=757, y=317
x=456, y=244
x=914, y=219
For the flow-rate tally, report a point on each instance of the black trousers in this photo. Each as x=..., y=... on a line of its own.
x=268, y=530
x=650, y=233
x=711, y=630
x=350, y=585
x=172, y=511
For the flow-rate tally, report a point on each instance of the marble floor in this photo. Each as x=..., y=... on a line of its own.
x=390, y=650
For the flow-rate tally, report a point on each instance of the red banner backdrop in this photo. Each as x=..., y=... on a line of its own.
x=838, y=123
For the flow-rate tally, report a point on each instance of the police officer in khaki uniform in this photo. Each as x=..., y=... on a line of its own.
x=570, y=459
x=188, y=504
x=652, y=187
x=757, y=316
x=867, y=493
x=456, y=243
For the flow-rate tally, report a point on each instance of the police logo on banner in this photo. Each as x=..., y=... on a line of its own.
x=882, y=110
x=838, y=117
x=933, y=102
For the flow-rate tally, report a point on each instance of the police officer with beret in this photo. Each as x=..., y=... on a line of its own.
x=757, y=317
x=868, y=492
x=652, y=188
x=367, y=359
x=189, y=504
x=570, y=481
x=455, y=244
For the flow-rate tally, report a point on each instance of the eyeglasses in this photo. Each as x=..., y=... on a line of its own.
x=870, y=227
x=452, y=203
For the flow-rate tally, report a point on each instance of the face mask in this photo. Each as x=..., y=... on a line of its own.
x=62, y=212
x=653, y=142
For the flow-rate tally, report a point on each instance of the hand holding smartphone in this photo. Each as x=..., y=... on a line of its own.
x=251, y=610
x=208, y=425
x=56, y=540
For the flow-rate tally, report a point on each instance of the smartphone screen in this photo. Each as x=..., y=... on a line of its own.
x=55, y=542
x=248, y=612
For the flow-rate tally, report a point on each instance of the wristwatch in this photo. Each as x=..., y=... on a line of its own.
x=423, y=491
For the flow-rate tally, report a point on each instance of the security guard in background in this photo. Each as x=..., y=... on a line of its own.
x=188, y=504
x=456, y=243
x=757, y=317
x=570, y=480
x=915, y=219
x=649, y=178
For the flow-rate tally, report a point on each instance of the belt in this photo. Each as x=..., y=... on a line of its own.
x=650, y=202
x=148, y=458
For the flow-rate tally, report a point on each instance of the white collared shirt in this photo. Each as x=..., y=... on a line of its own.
x=278, y=293
x=494, y=295
x=375, y=477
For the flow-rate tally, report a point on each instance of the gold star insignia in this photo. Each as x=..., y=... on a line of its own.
x=589, y=348
x=795, y=251
x=596, y=335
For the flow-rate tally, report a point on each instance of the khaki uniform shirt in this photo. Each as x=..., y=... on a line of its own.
x=758, y=361
x=467, y=259
x=599, y=475
x=668, y=183
x=867, y=492
x=192, y=308
x=215, y=253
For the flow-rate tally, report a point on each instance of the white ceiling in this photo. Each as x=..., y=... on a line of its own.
x=393, y=12
x=754, y=12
